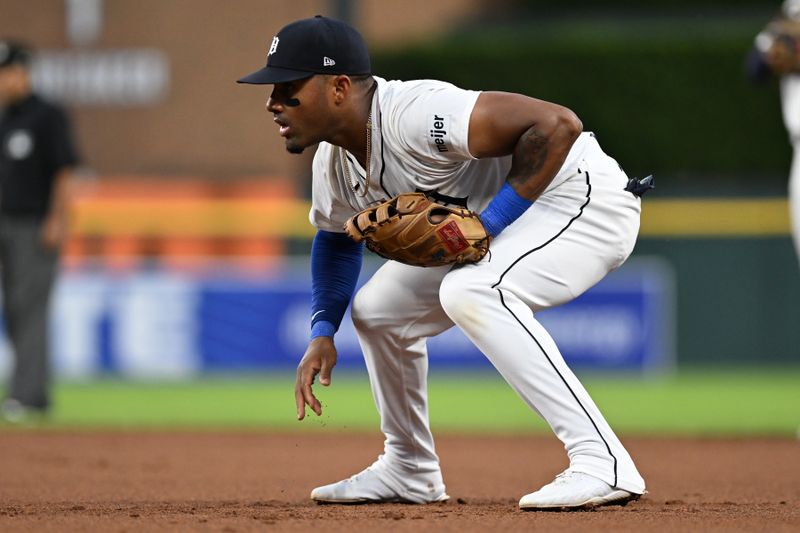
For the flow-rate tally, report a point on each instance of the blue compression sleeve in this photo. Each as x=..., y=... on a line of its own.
x=335, y=265
x=506, y=207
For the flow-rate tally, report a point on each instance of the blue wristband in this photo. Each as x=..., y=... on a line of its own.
x=322, y=328
x=506, y=207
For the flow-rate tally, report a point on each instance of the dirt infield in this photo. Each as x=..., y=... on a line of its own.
x=233, y=482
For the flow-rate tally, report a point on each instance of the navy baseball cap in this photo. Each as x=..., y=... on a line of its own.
x=13, y=53
x=317, y=45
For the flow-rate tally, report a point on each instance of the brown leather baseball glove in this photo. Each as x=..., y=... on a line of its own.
x=415, y=230
x=779, y=44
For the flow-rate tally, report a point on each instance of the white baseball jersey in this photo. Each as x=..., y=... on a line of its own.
x=790, y=104
x=791, y=8
x=419, y=143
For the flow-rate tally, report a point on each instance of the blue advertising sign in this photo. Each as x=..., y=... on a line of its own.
x=163, y=324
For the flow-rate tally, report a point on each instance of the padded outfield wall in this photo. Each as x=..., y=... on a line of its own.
x=183, y=280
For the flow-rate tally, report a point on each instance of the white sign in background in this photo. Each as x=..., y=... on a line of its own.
x=155, y=331
x=122, y=77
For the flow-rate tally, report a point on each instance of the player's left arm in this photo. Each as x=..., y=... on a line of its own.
x=538, y=135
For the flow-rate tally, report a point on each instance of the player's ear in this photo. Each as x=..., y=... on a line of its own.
x=341, y=86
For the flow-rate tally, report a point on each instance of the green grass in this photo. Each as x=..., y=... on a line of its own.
x=727, y=403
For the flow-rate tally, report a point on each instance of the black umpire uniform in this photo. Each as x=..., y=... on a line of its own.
x=36, y=151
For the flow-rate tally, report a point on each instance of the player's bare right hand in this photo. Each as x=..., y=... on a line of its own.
x=320, y=358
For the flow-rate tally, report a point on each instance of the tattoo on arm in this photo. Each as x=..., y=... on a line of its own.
x=528, y=159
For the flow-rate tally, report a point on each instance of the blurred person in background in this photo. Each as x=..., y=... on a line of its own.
x=777, y=52
x=525, y=165
x=37, y=155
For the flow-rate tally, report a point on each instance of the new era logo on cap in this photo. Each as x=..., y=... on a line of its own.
x=328, y=62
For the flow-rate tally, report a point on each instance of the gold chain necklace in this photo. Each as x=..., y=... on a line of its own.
x=346, y=164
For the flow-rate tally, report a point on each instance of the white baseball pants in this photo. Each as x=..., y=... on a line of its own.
x=566, y=242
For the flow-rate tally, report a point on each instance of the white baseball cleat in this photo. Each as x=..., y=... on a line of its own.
x=575, y=490
x=364, y=487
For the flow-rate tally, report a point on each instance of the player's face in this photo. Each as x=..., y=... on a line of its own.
x=299, y=108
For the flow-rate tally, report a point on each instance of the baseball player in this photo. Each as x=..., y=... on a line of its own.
x=777, y=51
x=559, y=219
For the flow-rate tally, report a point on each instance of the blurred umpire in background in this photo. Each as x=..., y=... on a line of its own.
x=37, y=154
